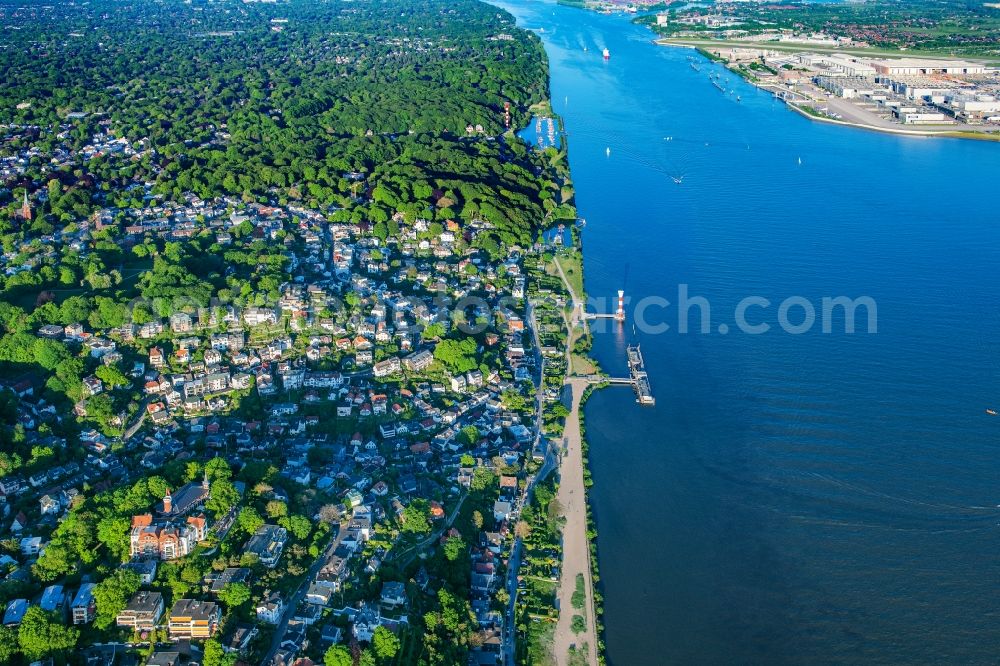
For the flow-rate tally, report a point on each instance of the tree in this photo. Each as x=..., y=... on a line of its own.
x=112, y=376
x=112, y=594
x=73, y=544
x=514, y=401
x=41, y=634
x=415, y=517
x=9, y=462
x=329, y=513
x=113, y=533
x=234, y=595
x=454, y=548
x=157, y=486
x=214, y=655
x=222, y=496
x=277, y=508
x=338, y=655
x=218, y=468
x=448, y=628
x=432, y=331
x=469, y=435
x=459, y=356
x=385, y=644
x=482, y=479
x=249, y=520
x=299, y=526
x=8, y=644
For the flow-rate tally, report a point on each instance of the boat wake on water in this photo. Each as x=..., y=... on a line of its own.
x=895, y=498
x=854, y=506
x=831, y=522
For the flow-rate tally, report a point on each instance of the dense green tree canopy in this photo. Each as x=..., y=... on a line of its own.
x=338, y=655
x=228, y=101
x=41, y=634
x=112, y=594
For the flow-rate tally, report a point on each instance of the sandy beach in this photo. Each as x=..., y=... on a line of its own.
x=576, y=549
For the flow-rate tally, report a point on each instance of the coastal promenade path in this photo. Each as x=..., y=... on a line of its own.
x=576, y=548
x=579, y=311
x=572, y=497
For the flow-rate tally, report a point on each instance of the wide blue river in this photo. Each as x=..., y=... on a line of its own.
x=809, y=498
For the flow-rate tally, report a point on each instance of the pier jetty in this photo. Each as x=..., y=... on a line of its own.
x=637, y=379
x=640, y=380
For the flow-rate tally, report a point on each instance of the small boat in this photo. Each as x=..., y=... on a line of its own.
x=991, y=412
x=607, y=151
x=800, y=161
x=607, y=54
x=739, y=99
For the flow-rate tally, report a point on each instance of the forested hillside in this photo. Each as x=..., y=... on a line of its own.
x=278, y=100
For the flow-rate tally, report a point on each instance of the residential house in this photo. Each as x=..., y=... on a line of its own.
x=259, y=316
x=240, y=639
x=387, y=367
x=164, y=658
x=53, y=599
x=308, y=614
x=271, y=609
x=14, y=613
x=181, y=322
x=367, y=620
x=192, y=618
x=49, y=505
x=393, y=594
x=502, y=510
x=31, y=545
x=319, y=595
x=229, y=576
x=145, y=568
x=142, y=612
x=164, y=540
x=267, y=544
x=83, y=606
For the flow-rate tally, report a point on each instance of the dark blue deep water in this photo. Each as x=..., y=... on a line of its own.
x=814, y=498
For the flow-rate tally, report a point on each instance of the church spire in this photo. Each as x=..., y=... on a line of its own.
x=26, y=207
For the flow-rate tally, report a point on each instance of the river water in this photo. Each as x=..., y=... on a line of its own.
x=810, y=498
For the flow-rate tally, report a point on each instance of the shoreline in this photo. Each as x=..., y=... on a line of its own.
x=574, y=502
x=579, y=552
x=793, y=47
x=945, y=134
